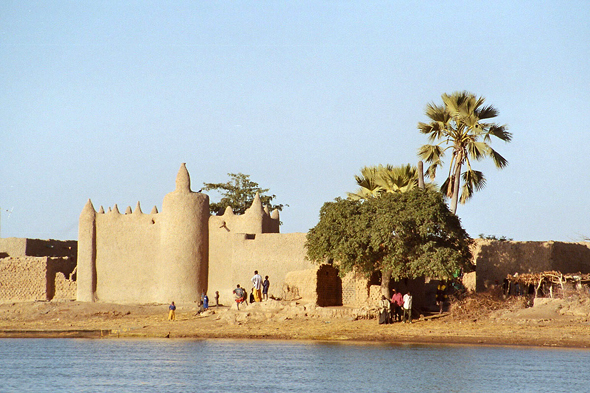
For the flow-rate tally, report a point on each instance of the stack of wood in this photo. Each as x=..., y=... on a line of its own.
x=550, y=280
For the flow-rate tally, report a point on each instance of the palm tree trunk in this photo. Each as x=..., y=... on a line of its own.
x=456, y=188
x=420, y=174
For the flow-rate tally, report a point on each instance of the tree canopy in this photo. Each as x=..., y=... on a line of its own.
x=410, y=234
x=238, y=193
x=459, y=125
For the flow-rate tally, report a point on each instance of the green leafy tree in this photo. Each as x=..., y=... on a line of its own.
x=238, y=193
x=459, y=125
x=402, y=235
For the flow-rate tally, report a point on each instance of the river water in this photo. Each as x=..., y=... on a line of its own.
x=161, y=365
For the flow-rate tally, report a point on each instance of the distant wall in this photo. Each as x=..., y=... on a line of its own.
x=37, y=278
x=496, y=259
x=20, y=247
x=52, y=248
x=13, y=247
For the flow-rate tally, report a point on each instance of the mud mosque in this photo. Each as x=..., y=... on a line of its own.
x=178, y=253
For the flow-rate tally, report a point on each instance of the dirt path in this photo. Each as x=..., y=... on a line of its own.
x=288, y=321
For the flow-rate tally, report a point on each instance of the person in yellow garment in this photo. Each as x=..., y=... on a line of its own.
x=257, y=283
x=172, y=312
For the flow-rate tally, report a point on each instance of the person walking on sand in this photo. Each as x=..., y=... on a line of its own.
x=216, y=298
x=171, y=312
x=257, y=283
x=265, y=285
x=408, y=307
x=240, y=295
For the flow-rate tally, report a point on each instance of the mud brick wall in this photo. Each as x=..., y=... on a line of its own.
x=65, y=289
x=37, y=278
x=320, y=285
x=300, y=285
x=23, y=278
x=355, y=289
x=61, y=277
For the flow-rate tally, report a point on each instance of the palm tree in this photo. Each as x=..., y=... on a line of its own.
x=368, y=182
x=375, y=180
x=458, y=126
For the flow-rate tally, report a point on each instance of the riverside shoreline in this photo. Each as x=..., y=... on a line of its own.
x=70, y=319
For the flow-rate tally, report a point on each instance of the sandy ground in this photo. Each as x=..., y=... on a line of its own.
x=554, y=324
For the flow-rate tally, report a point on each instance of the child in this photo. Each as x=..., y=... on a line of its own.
x=265, y=285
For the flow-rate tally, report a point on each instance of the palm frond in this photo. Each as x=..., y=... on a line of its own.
x=447, y=187
x=499, y=132
x=499, y=161
x=436, y=113
x=487, y=112
x=475, y=179
x=431, y=171
x=478, y=150
x=399, y=179
x=431, y=153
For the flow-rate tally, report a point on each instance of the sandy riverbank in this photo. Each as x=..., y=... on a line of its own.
x=546, y=325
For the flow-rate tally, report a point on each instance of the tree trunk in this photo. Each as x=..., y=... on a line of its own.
x=385, y=280
x=420, y=175
x=456, y=184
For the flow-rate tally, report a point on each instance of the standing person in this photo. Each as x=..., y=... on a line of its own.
x=397, y=301
x=171, y=312
x=384, y=316
x=240, y=295
x=408, y=307
x=257, y=282
x=265, y=285
x=216, y=298
x=205, y=301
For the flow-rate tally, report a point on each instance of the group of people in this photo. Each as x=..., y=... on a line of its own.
x=203, y=305
x=398, y=309
x=259, y=290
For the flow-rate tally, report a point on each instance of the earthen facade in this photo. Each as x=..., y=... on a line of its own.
x=181, y=251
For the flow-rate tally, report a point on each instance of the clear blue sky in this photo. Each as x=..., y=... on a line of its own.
x=105, y=100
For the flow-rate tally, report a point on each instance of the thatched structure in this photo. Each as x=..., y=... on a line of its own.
x=546, y=283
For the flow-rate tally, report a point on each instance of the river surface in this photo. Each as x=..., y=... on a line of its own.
x=161, y=365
